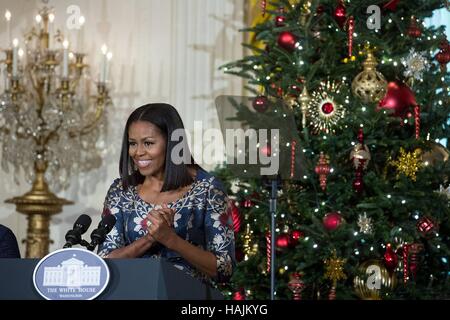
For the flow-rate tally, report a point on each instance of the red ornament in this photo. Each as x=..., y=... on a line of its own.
x=287, y=40
x=358, y=183
x=268, y=250
x=426, y=226
x=296, y=285
x=293, y=145
x=414, y=30
x=444, y=45
x=351, y=27
x=283, y=241
x=405, y=262
x=248, y=203
x=332, y=220
x=320, y=9
x=236, y=216
x=398, y=99
x=417, y=120
x=391, y=5
x=266, y=150
x=261, y=104
x=327, y=107
x=296, y=235
x=263, y=7
x=239, y=295
x=296, y=88
x=323, y=169
x=390, y=258
x=340, y=14
x=414, y=249
x=279, y=91
x=279, y=21
x=443, y=57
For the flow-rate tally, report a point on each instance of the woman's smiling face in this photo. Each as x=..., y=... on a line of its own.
x=147, y=147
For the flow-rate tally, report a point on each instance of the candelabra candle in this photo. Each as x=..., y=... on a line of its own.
x=104, y=63
x=15, y=57
x=8, y=26
x=108, y=62
x=80, y=35
x=65, y=70
x=51, y=19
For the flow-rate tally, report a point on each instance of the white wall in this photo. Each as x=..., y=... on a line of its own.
x=164, y=51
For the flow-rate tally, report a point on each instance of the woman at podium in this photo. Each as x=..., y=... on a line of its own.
x=164, y=203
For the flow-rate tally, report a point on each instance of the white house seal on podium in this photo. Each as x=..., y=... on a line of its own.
x=71, y=274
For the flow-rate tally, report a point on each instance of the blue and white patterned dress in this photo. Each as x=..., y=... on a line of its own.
x=201, y=217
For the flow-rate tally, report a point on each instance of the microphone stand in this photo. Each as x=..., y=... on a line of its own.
x=273, y=211
x=273, y=183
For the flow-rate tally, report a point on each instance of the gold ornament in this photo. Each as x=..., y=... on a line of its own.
x=247, y=247
x=347, y=60
x=291, y=101
x=372, y=278
x=305, y=12
x=334, y=268
x=254, y=249
x=369, y=85
x=408, y=163
x=437, y=154
x=324, y=112
x=304, y=100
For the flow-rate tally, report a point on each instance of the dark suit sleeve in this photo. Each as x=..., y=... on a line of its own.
x=8, y=244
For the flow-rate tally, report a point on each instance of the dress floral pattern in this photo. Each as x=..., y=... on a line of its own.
x=201, y=217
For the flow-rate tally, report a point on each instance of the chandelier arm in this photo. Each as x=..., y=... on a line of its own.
x=51, y=134
x=98, y=115
x=33, y=80
x=74, y=83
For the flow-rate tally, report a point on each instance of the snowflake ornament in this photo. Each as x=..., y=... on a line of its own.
x=416, y=64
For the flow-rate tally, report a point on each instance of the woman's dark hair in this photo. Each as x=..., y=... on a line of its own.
x=166, y=118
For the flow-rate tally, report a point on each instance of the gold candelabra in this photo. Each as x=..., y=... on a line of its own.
x=51, y=127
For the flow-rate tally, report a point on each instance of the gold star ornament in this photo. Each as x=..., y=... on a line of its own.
x=408, y=163
x=334, y=268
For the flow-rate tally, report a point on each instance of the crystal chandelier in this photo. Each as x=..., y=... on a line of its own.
x=51, y=126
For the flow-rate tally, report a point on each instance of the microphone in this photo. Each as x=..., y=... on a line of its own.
x=98, y=236
x=80, y=226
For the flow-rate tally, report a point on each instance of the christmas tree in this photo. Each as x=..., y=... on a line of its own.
x=368, y=84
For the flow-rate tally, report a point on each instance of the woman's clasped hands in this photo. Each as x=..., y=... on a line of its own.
x=159, y=224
